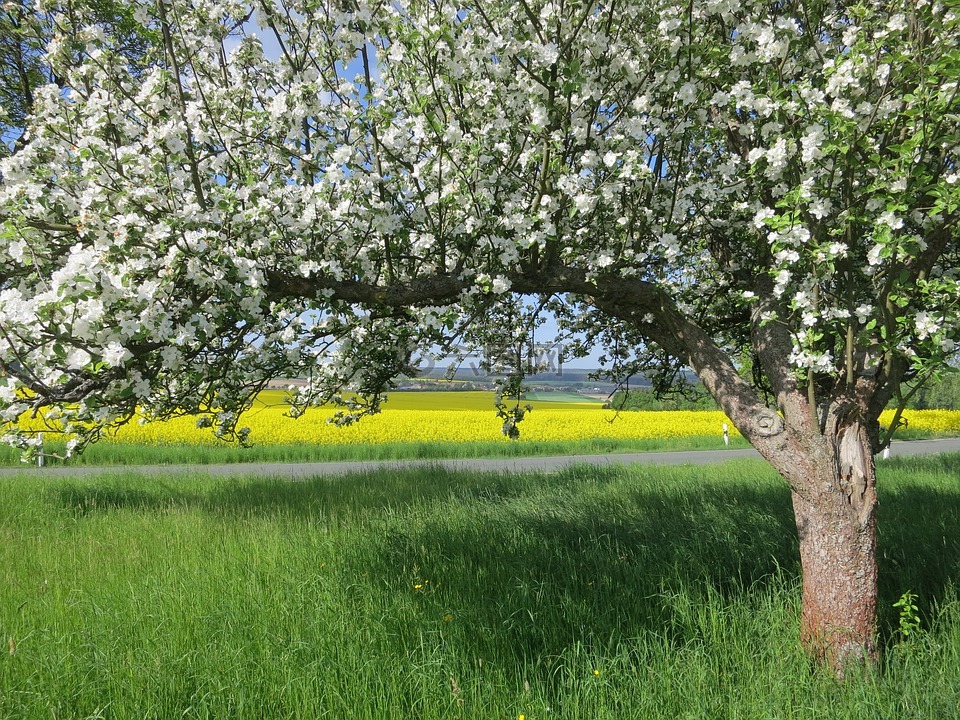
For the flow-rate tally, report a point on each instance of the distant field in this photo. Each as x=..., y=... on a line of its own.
x=563, y=397
x=454, y=400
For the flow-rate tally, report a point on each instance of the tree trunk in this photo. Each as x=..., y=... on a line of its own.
x=834, y=501
x=822, y=449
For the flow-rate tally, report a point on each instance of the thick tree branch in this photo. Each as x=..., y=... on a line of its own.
x=634, y=302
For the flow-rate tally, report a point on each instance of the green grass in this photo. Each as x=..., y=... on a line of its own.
x=635, y=592
x=106, y=453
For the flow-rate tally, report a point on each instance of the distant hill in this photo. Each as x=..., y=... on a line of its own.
x=472, y=377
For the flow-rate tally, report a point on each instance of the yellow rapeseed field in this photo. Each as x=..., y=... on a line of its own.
x=428, y=417
x=270, y=427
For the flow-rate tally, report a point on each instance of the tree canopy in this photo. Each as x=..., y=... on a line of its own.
x=720, y=184
x=783, y=170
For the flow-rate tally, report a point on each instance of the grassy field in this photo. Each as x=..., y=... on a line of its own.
x=107, y=453
x=593, y=593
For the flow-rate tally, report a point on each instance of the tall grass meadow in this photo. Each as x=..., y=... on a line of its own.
x=621, y=592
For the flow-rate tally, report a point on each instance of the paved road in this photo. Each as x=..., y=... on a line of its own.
x=528, y=464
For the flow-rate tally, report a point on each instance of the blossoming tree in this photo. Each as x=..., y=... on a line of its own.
x=724, y=184
x=24, y=32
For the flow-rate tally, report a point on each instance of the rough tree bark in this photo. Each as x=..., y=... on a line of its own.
x=834, y=500
x=831, y=473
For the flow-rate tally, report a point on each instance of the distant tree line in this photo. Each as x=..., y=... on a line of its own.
x=943, y=394
x=646, y=398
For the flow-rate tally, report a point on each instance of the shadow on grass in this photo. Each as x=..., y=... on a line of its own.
x=526, y=564
x=597, y=557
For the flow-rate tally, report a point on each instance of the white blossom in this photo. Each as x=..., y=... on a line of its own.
x=926, y=324
x=891, y=220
